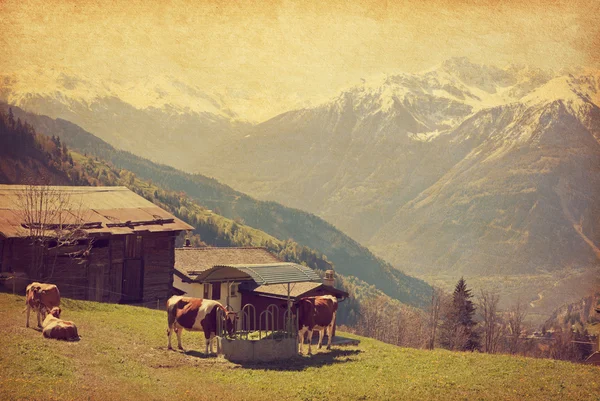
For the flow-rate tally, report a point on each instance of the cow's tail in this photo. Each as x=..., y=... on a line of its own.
x=171, y=312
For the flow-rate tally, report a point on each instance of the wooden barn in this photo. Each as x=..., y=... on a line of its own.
x=97, y=243
x=240, y=276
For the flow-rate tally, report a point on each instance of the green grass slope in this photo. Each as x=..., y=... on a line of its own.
x=123, y=356
x=349, y=257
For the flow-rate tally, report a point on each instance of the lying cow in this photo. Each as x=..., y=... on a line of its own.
x=54, y=327
x=196, y=314
x=316, y=313
x=42, y=298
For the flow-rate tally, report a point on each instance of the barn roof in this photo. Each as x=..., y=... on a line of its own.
x=262, y=274
x=190, y=262
x=97, y=210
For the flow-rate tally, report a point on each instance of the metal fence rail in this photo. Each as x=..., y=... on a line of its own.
x=268, y=324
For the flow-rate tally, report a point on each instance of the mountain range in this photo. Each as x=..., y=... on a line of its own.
x=151, y=118
x=464, y=169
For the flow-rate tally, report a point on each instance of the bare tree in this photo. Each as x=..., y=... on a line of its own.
x=393, y=323
x=434, y=315
x=369, y=323
x=514, y=319
x=491, y=322
x=53, y=221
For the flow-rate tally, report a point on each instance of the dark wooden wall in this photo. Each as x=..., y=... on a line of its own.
x=159, y=265
x=115, y=271
x=98, y=277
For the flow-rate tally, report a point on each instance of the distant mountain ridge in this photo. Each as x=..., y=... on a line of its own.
x=151, y=118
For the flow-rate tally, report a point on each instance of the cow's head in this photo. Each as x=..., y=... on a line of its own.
x=56, y=312
x=284, y=306
x=230, y=323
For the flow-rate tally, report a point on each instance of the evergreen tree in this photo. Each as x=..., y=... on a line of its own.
x=11, y=118
x=458, y=327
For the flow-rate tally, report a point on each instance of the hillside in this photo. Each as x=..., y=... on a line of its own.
x=123, y=356
x=580, y=315
x=39, y=160
x=348, y=256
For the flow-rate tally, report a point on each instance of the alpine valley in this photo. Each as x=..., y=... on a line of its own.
x=463, y=170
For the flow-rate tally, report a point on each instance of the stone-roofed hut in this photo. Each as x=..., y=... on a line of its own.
x=240, y=276
x=123, y=249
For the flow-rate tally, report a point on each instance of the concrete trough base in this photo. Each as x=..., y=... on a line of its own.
x=265, y=350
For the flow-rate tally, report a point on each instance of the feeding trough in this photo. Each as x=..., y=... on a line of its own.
x=264, y=339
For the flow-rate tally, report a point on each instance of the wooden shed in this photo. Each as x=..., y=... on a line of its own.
x=98, y=243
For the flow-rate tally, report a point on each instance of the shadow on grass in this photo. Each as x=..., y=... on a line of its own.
x=198, y=354
x=301, y=362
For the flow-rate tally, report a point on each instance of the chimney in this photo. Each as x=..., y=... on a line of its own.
x=329, y=278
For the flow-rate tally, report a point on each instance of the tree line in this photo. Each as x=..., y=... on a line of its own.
x=461, y=321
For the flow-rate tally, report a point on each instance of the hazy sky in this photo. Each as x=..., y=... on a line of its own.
x=265, y=57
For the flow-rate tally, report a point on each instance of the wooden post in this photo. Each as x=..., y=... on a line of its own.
x=157, y=303
x=289, y=309
x=14, y=284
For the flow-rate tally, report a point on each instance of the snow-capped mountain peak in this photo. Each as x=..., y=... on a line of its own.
x=160, y=92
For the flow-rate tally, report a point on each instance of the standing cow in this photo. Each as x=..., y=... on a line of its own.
x=196, y=314
x=55, y=327
x=316, y=313
x=42, y=298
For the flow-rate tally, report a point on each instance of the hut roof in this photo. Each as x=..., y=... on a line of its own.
x=97, y=210
x=262, y=274
x=191, y=262
x=280, y=290
x=297, y=290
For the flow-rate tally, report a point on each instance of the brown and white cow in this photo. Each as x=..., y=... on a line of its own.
x=54, y=327
x=41, y=297
x=196, y=314
x=316, y=313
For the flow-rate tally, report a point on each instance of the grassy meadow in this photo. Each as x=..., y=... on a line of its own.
x=123, y=356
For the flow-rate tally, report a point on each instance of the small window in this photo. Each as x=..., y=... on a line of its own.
x=233, y=290
x=216, y=291
x=100, y=243
x=206, y=291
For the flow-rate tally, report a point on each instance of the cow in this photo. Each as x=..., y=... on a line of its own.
x=196, y=314
x=316, y=313
x=55, y=327
x=42, y=298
